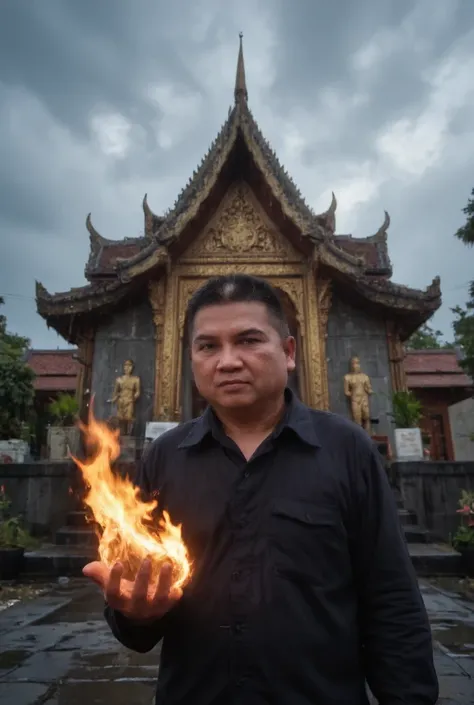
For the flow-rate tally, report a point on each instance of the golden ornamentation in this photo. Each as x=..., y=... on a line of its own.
x=313, y=348
x=126, y=393
x=157, y=298
x=187, y=287
x=85, y=358
x=294, y=280
x=240, y=230
x=358, y=388
x=324, y=287
x=396, y=354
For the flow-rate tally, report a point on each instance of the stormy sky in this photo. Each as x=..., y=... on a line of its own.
x=104, y=100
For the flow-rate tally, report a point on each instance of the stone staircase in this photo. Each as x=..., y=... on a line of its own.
x=79, y=530
x=76, y=544
x=429, y=557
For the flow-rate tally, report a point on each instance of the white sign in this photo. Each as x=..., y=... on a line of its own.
x=408, y=444
x=13, y=451
x=155, y=429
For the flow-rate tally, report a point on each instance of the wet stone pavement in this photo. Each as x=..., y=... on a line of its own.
x=57, y=650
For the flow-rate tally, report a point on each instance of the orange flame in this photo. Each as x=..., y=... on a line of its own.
x=127, y=532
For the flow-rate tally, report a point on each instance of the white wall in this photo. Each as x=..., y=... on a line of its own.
x=461, y=419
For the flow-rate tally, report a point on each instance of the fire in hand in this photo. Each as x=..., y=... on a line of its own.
x=127, y=531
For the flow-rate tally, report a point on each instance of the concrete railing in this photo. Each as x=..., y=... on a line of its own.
x=432, y=490
x=44, y=493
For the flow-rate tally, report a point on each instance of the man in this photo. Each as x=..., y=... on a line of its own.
x=302, y=586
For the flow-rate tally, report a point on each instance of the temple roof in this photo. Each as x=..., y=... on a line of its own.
x=434, y=368
x=239, y=149
x=55, y=370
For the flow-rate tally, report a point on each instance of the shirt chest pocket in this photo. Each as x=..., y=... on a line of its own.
x=306, y=539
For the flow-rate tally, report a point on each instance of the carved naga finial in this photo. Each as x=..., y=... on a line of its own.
x=149, y=217
x=40, y=290
x=329, y=217
x=92, y=231
x=434, y=288
x=381, y=233
x=96, y=238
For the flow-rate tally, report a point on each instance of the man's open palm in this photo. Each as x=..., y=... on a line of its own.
x=139, y=600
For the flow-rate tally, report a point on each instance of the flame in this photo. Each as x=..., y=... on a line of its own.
x=127, y=531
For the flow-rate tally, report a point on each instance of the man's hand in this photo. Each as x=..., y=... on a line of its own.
x=137, y=600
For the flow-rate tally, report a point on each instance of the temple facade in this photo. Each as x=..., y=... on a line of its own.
x=239, y=212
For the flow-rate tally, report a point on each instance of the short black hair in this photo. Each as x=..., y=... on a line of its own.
x=238, y=288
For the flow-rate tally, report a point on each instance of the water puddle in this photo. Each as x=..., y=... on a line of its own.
x=10, y=659
x=87, y=608
x=458, y=638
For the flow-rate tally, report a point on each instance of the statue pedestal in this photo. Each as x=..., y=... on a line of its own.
x=128, y=449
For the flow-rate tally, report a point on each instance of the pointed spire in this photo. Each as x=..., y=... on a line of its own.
x=240, y=92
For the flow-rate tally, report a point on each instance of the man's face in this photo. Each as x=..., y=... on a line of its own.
x=356, y=365
x=128, y=368
x=238, y=357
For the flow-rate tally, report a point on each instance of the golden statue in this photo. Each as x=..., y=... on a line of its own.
x=357, y=388
x=126, y=393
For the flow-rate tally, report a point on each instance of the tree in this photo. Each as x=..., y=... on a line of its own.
x=16, y=383
x=463, y=323
x=463, y=326
x=426, y=338
x=466, y=232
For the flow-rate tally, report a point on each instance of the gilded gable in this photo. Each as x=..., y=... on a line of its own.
x=240, y=231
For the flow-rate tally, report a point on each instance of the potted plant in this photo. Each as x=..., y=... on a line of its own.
x=63, y=434
x=463, y=539
x=406, y=410
x=406, y=415
x=14, y=539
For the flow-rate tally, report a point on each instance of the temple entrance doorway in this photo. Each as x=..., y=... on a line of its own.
x=193, y=404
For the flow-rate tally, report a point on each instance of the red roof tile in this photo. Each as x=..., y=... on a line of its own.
x=56, y=370
x=55, y=384
x=434, y=368
x=446, y=380
x=431, y=361
x=110, y=254
x=53, y=362
x=358, y=248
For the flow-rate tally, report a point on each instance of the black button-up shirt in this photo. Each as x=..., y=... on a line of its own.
x=302, y=585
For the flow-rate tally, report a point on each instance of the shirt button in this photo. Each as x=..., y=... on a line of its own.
x=246, y=474
x=236, y=574
x=238, y=628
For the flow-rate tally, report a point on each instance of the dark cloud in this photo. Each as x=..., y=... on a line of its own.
x=102, y=101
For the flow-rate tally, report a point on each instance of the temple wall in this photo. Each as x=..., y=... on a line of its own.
x=353, y=332
x=128, y=333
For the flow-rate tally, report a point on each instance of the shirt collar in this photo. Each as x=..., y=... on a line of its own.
x=297, y=417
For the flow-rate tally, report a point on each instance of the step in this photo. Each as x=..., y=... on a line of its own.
x=76, y=536
x=407, y=518
x=432, y=559
x=429, y=560
x=80, y=518
x=416, y=534
x=56, y=561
